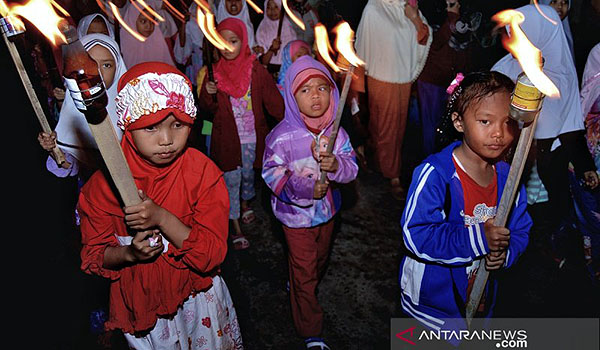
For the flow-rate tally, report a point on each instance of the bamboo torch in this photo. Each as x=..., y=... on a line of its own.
x=526, y=102
x=10, y=30
x=343, y=42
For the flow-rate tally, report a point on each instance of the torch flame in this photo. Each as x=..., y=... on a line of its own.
x=14, y=21
x=150, y=18
x=253, y=5
x=529, y=56
x=343, y=43
x=151, y=10
x=207, y=25
x=323, y=46
x=41, y=14
x=203, y=4
x=292, y=15
x=118, y=17
x=174, y=10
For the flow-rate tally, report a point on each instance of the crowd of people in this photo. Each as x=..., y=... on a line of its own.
x=201, y=127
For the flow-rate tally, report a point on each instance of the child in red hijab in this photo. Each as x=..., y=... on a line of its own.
x=162, y=255
x=244, y=90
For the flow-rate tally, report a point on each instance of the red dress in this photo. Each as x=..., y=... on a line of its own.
x=193, y=189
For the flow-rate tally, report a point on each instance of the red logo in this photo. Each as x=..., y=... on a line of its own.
x=411, y=329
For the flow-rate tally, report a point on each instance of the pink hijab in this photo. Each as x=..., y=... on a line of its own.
x=315, y=125
x=234, y=75
x=267, y=31
x=154, y=49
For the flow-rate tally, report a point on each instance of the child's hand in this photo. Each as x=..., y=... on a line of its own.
x=275, y=45
x=145, y=215
x=411, y=12
x=497, y=237
x=141, y=248
x=59, y=93
x=590, y=178
x=495, y=260
x=259, y=50
x=47, y=141
x=328, y=162
x=320, y=190
x=211, y=87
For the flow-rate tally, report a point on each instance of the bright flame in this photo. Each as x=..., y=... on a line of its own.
x=529, y=56
x=207, y=25
x=292, y=15
x=343, y=43
x=253, y=5
x=151, y=10
x=203, y=4
x=323, y=46
x=141, y=11
x=174, y=10
x=14, y=21
x=118, y=17
x=42, y=15
x=60, y=9
x=210, y=25
x=537, y=6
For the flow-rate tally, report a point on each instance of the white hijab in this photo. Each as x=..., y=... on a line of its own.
x=84, y=24
x=73, y=133
x=267, y=31
x=566, y=27
x=387, y=41
x=244, y=16
x=558, y=115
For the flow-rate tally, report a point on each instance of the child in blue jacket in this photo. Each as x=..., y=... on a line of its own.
x=447, y=224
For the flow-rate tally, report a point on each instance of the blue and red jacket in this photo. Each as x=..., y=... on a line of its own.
x=433, y=277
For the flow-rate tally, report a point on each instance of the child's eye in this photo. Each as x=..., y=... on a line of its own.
x=107, y=65
x=150, y=128
x=177, y=125
x=484, y=122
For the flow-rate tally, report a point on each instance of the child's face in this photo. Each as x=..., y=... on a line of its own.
x=234, y=7
x=486, y=126
x=162, y=143
x=302, y=51
x=313, y=97
x=106, y=63
x=561, y=7
x=272, y=10
x=144, y=26
x=235, y=41
x=97, y=26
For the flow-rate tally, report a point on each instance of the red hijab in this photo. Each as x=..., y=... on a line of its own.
x=234, y=75
x=156, y=182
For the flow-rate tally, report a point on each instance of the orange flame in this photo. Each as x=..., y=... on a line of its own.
x=203, y=4
x=118, y=17
x=207, y=25
x=292, y=15
x=41, y=14
x=529, y=56
x=343, y=43
x=14, y=21
x=151, y=10
x=324, y=47
x=253, y=5
x=174, y=10
x=150, y=18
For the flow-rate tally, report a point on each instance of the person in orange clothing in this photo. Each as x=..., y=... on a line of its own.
x=162, y=255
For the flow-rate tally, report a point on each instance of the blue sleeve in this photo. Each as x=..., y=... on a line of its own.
x=427, y=233
x=519, y=225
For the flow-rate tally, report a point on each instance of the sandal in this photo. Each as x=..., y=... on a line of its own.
x=240, y=242
x=248, y=216
x=397, y=190
x=314, y=343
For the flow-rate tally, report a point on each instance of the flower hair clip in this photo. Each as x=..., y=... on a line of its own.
x=455, y=83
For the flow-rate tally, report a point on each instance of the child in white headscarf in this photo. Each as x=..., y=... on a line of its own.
x=266, y=33
x=72, y=133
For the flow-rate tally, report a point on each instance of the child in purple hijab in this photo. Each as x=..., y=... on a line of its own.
x=295, y=154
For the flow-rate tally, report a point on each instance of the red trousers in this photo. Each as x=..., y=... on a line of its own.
x=308, y=249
